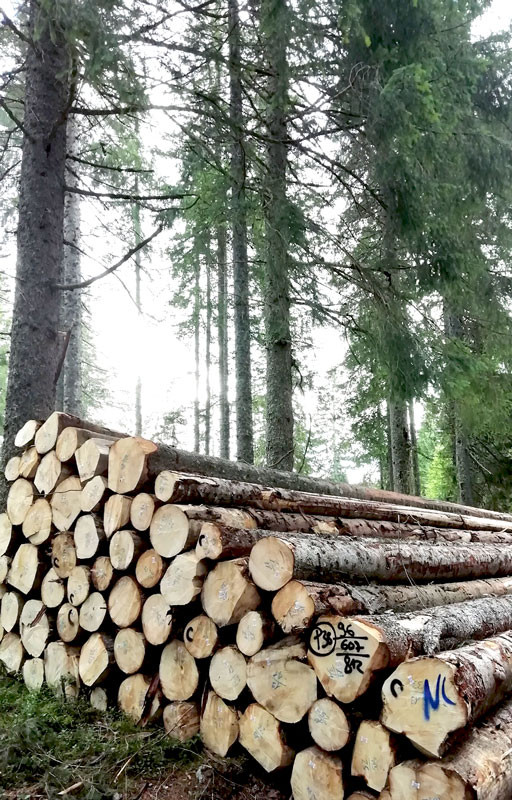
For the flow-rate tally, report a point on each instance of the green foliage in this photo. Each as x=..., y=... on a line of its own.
x=48, y=744
x=435, y=454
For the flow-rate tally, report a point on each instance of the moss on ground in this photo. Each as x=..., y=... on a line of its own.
x=48, y=744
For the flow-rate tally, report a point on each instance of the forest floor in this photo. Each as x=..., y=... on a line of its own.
x=53, y=749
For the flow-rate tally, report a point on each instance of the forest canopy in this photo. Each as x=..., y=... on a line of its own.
x=277, y=231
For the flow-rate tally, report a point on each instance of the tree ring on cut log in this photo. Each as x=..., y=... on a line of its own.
x=228, y=593
x=149, y=568
x=125, y=602
x=271, y=563
x=129, y=650
x=219, y=725
x=19, y=500
x=228, y=673
x=292, y=607
x=169, y=530
x=179, y=676
x=156, y=619
x=92, y=612
x=68, y=626
x=260, y=734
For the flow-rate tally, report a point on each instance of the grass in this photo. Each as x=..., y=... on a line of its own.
x=48, y=744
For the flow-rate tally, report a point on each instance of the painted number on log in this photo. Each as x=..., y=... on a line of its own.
x=343, y=642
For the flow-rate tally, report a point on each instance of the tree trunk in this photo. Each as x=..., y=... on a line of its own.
x=222, y=336
x=228, y=483
x=279, y=388
x=400, y=446
x=71, y=301
x=428, y=699
x=208, y=349
x=244, y=431
x=348, y=653
x=274, y=561
x=415, y=466
x=137, y=235
x=391, y=481
x=35, y=350
x=480, y=768
x=197, y=332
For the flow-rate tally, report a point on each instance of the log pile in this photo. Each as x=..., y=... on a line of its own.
x=363, y=645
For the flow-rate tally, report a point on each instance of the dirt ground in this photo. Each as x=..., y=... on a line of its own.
x=212, y=780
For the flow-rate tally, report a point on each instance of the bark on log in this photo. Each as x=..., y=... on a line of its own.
x=19, y=500
x=96, y=658
x=328, y=725
x=156, y=619
x=228, y=593
x=92, y=612
x=200, y=637
x=254, y=629
x=262, y=737
x=179, y=676
x=317, y=774
x=48, y=433
x=102, y=573
x=274, y=561
x=347, y=652
x=92, y=496
x=25, y=569
x=219, y=725
x=26, y=434
x=150, y=568
x=37, y=525
x=129, y=650
x=374, y=754
x=181, y=720
x=61, y=669
x=116, y=513
x=133, y=698
x=429, y=698
x=281, y=683
x=228, y=673
x=244, y=484
x=88, y=536
x=125, y=603
x=183, y=579
x=66, y=503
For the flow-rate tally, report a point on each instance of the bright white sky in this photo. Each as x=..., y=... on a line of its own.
x=126, y=346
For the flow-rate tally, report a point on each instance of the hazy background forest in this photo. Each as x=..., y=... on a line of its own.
x=305, y=209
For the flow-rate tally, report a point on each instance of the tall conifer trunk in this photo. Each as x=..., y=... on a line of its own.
x=208, y=348
x=71, y=304
x=244, y=430
x=454, y=329
x=197, y=332
x=35, y=343
x=279, y=420
x=137, y=235
x=400, y=446
x=415, y=466
x=222, y=335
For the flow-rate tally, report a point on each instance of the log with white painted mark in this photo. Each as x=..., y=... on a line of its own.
x=89, y=536
x=328, y=725
x=374, y=754
x=201, y=637
x=262, y=736
x=179, y=676
x=254, y=630
x=228, y=592
x=228, y=673
x=219, y=725
x=156, y=619
x=317, y=774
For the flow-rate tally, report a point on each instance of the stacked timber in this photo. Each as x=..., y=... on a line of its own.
x=361, y=642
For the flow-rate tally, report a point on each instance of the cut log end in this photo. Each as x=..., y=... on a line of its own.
x=228, y=673
x=316, y=774
x=219, y=725
x=179, y=676
x=181, y=720
x=271, y=563
x=374, y=754
x=293, y=608
x=253, y=630
x=156, y=619
x=200, y=636
x=262, y=737
x=228, y=593
x=328, y=725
